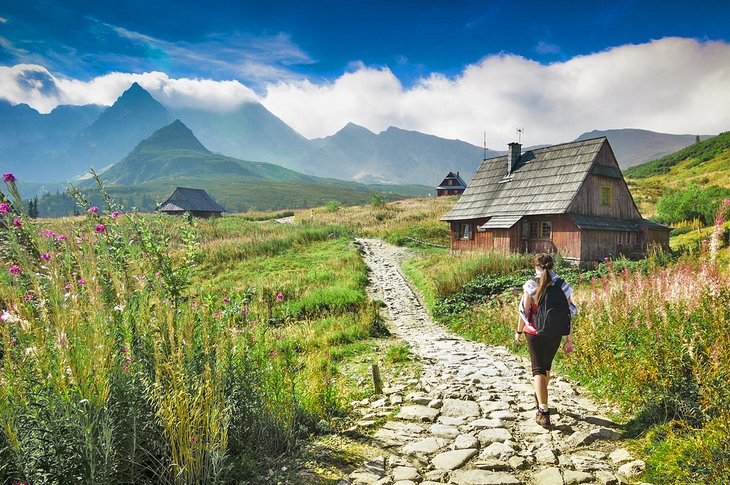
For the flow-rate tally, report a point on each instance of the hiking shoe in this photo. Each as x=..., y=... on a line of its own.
x=543, y=418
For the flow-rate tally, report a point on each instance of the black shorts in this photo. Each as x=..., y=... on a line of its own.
x=542, y=352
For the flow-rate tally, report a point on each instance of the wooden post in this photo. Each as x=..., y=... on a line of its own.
x=377, y=381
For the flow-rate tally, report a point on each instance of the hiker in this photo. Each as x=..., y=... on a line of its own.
x=545, y=314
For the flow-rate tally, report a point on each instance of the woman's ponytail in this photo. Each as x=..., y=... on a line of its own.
x=545, y=263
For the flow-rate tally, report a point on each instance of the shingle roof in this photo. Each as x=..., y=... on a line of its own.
x=544, y=181
x=604, y=223
x=184, y=200
x=500, y=222
x=453, y=176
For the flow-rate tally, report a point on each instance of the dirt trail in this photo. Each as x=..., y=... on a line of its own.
x=473, y=420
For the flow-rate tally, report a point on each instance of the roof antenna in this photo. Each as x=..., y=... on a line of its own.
x=485, y=145
x=520, y=131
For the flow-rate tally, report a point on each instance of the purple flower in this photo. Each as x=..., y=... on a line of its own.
x=226, y=300
x=49, y=234
x=46, y=256
x=4, y=208
x=79, y=240
x=17, y=223
x=28, y=297
x=115, y=214
x=14, y=269
x=279, y=296
x=244, y=312
x=61, y=237
x=726, y=201
x=9, y=177
x=93, y=209
x=123, y=350
x=12, y=341
x=67, y=287
x=100, y=228
x=81, y=282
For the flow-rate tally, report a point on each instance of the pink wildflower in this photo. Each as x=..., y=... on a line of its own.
x=17, y=223
x=79, y=240
x=115, y=214
x=67, y=287
x=123, y=350
x=61, y=237
x=81, y=282
x=12, y=342
x=49, y=234
x=226, y=300
x=726, y=201
x=14, y=269
x=4, y=208
x=46, y=256
x=217, y=314
x=93, y=210
x=28, y=297
x=279, y=296
x=9, y=177
x=100, y=228
x=244, y=312
x=273, y=353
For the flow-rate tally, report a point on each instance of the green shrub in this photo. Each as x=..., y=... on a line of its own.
x=332, y=206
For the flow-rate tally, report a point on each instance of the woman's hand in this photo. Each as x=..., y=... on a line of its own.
x=568, y=346
x=518, y=337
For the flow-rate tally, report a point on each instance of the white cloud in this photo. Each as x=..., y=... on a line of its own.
x=43, y=91
x=673, y=85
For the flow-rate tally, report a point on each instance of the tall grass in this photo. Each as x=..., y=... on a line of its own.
x=120, y=363
x=650, y=335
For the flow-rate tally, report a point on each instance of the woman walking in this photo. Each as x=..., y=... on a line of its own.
x=545, y=314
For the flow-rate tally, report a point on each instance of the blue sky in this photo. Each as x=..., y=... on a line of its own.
x=453, y=69
x=263, y=41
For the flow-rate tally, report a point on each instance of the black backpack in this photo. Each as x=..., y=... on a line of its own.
x=553, y=313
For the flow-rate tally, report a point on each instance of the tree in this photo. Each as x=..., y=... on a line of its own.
x=697, y=138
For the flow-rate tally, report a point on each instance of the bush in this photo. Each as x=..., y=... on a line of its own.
x=332, y=206
x=691, y=203
x=377, y=200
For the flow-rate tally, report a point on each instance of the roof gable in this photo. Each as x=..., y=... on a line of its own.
x=460, y=184
x=544, y=181
x=185, y=199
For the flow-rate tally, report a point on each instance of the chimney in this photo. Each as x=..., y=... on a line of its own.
x=513, y=156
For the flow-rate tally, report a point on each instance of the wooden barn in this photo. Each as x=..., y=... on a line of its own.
x=195, y=201
x=569, y=199
x=453, y=184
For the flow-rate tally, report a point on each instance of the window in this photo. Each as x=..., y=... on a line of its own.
x=525, y=229
x=533, y=230
x=545, y=230
x=465, y=231
x=606, y=196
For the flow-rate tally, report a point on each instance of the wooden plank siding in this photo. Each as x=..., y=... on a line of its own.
x=588, y=199
x=480, y=240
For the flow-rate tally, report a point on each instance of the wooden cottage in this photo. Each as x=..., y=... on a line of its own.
x=570, y=199
x=453, y=184
x=195, y=201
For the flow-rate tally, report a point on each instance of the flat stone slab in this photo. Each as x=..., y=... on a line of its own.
x=489, y=436
x=444, y=431
x=549, y=476
x=460, y=408
x=465, y=441
x=572, y=477
x=482, y=477
x=451, y=460
x=405, y=473
x=425, y=446
x=487, y=423
x=370, y=472
x=418, y=413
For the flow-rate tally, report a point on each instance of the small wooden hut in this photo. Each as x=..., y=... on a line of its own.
x=195, y=201
x=570, y=199
x=453, y=184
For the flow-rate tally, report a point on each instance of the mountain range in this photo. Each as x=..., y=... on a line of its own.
x=63, y=144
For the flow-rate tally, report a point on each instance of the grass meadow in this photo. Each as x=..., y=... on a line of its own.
x=148, y=349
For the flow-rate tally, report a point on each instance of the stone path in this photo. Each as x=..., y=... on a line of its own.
x=472, y=421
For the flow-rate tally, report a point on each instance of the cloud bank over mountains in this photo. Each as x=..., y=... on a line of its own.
x=672, y=85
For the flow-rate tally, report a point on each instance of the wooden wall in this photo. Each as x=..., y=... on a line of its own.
x=588, y=199
x=481, y=240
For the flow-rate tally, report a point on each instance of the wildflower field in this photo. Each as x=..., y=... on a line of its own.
x=149, y=349
x=651, y=336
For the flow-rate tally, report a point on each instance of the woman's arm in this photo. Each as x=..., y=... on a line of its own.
x=568, y=346
x=525, y=305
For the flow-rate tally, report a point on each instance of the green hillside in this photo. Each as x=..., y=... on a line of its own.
x=705, y=164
